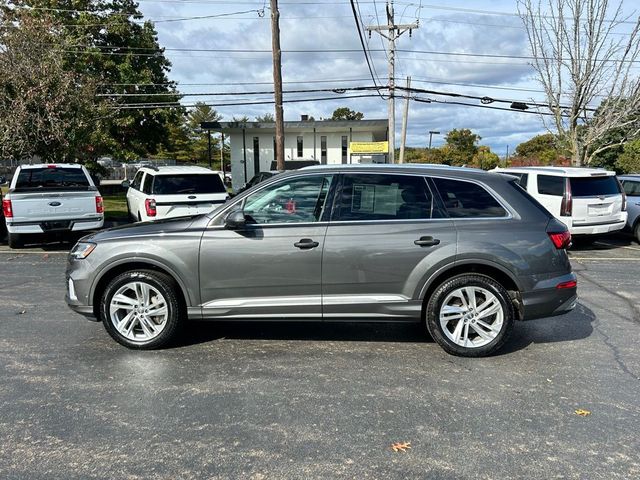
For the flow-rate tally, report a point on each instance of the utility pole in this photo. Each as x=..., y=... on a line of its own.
x=209, y=146
x=405, y=118
x=277, y=82
x=431, y=134
x=222, y=152
x=393, y=32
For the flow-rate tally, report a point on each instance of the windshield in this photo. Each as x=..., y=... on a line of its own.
x=181, y=184
x=594, y=186
x=54, y=178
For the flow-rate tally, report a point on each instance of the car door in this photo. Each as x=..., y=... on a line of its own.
x=271, y=267
x=386, y=236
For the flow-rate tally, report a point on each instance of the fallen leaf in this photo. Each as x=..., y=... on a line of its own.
x=583, y=413
x=45, y=256
x=400, y=446
x=22, y=312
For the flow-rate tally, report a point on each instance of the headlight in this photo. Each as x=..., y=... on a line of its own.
x=82, y=250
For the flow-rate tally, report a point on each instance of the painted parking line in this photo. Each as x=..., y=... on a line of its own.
x=617, y=246
x=595, y=259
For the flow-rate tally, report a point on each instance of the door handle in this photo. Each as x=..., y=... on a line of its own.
x=427, y=242
x=306, y=243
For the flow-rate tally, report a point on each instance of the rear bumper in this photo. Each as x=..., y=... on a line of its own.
x=71, y=225
x=597, y=228
x=547, y=301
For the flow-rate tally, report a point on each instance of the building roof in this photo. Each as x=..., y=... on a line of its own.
x=357, y=125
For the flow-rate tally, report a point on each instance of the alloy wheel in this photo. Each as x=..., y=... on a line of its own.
x=138, y=311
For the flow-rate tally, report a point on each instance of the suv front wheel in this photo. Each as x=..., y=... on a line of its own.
x=470, y=315
x=140, y=309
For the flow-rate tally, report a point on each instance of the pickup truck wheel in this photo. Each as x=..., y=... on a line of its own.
x=636, y=232
x=14, y=240
x=470, y=315
x=141, y=310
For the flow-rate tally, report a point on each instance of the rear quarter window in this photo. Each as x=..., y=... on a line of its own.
x=550, y=185
x=467, y=200
x=631, y=188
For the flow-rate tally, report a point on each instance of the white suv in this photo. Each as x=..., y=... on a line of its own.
x=587, y=200
x=164, y=192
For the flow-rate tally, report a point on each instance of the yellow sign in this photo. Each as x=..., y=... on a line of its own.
x=369, y=147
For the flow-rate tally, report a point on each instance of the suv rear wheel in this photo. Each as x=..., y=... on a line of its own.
x=470, y=315
x=140, y=309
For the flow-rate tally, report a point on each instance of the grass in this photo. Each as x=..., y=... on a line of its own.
x=115, y=207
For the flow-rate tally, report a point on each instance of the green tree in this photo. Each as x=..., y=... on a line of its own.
x=108, y=44
x=629, y=160
x=460, y=146
x=485, y=158
x=266, y=118
x=345, y=113
x=542, y=149
x=45, y=110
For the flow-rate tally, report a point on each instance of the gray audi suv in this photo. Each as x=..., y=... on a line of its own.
x=463, y=251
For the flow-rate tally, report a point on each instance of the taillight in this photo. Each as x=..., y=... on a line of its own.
x=99, y=204
x=624, y=196
x=569, y=284
x=566, y=207
x=150, y=207
x=7, y=209
x=561, y=239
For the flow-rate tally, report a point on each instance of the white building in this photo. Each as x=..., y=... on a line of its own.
x=326, y=141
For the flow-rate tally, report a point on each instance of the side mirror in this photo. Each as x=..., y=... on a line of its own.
x=235, y=220
x=125, y=184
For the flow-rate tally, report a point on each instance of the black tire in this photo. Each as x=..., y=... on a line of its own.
x=139, y=217
x=469, y=280
x=636, y=232
x=14, y=240
x=167, y=287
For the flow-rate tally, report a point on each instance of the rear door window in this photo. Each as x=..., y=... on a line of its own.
x=594, y=186
x=188, y=184
x=366, y=197
x=467, y=200
x=52, y=178
x=550, y=185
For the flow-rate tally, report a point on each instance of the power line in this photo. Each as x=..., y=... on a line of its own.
x=364, y=49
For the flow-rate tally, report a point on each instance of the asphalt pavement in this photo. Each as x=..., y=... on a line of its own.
x=319, y=401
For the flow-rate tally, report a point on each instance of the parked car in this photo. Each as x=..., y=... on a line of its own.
x=631, y=187
x=164, y=192
x=256, y=179
x=588, y=201
x=465, y=251
x=45, y=198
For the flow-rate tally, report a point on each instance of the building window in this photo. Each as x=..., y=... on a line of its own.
x=300, y=146
x=256, y=155
x=323, y=149
x=345, y=144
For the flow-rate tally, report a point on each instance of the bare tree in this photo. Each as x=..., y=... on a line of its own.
x=583, y=61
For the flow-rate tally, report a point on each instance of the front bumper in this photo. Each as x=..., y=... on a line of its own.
x=79, y=276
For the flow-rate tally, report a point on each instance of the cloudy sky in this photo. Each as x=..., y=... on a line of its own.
x=234, y=42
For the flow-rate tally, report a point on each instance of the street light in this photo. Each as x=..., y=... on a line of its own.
x=431, y=134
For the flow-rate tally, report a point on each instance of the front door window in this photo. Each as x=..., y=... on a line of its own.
x=297, y=200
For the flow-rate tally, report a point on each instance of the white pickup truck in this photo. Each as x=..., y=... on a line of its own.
x=51, y=198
